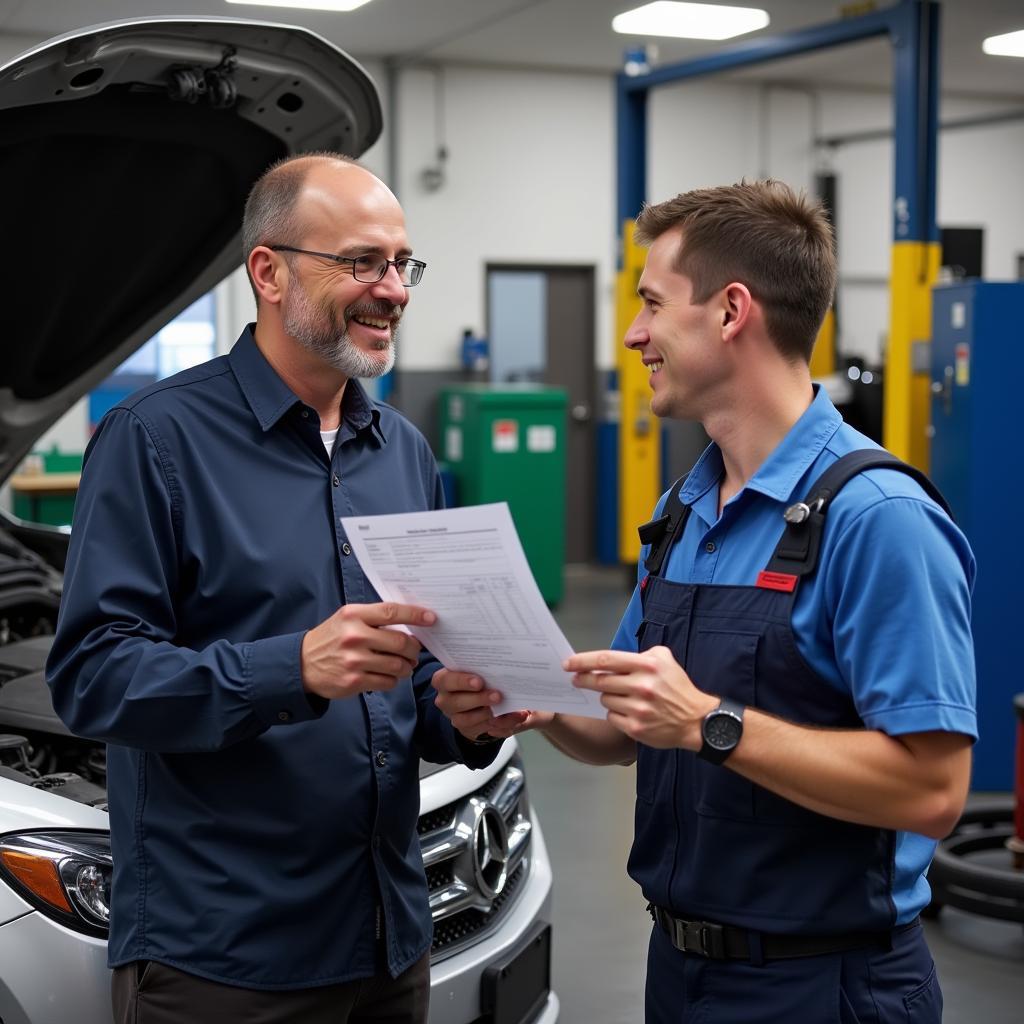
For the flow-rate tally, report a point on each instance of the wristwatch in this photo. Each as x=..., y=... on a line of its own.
x=721, y=731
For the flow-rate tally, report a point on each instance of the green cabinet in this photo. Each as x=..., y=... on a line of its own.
x=508, y=444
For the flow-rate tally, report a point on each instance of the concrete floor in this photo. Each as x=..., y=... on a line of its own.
x=600, y=927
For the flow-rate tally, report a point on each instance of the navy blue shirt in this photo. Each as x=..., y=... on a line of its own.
x=257, y=831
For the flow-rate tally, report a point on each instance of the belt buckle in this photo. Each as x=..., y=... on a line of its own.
x=700, y=937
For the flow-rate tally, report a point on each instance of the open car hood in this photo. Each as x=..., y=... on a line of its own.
x=126, y=154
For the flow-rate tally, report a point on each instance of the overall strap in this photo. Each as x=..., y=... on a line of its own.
x=796, y=554
x=663, y=532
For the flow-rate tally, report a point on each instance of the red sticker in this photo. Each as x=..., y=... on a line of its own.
x=777, y=581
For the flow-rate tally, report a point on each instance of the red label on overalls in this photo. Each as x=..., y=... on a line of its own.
x=777, y=581
x=643, y=582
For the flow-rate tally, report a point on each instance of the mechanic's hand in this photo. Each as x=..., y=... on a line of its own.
x=465, y=699
x=648, y=695
x=350, y=652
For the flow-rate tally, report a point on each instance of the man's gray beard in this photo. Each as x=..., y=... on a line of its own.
x=313, y=327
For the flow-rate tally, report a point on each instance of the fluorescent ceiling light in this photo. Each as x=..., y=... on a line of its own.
x=309, y=5
x=1010, y=44
x=689, y=21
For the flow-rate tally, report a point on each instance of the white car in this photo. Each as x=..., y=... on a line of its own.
x=128, y=152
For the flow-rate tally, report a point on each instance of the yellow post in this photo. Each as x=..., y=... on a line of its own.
x=823, y=355
x=907, y=400
x=639, y=428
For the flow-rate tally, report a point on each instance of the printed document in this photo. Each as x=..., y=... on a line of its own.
x=467, y=566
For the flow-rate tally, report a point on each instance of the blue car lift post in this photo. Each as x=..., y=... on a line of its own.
x=912, y=27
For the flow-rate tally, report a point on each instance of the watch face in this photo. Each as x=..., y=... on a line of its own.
x=722, y=731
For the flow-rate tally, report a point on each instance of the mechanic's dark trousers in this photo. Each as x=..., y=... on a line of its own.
x=863, y=986
x=147, y=992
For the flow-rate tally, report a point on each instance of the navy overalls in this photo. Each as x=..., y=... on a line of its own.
x=803, y=899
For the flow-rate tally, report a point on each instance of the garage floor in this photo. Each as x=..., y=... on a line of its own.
x=600, y=927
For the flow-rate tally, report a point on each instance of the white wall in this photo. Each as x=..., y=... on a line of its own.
x=979, y=173
x=710, y=132
x=530, y=178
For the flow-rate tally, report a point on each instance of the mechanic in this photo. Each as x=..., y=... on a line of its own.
x=801, y=715
x=264, y=721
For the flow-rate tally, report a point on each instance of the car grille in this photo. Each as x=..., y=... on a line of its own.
x=475, y=852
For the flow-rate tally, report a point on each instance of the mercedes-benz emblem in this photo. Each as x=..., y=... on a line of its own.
x=490, y=851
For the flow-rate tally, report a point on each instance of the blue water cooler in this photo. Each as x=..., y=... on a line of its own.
x=977, y=461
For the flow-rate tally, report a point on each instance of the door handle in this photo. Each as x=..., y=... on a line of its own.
x=944, y=389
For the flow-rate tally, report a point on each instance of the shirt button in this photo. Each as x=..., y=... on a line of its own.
x=345, y=549
x=305, y=414
x=336, y=480
x=381, y=759
x=709, y=547
x=284, y=716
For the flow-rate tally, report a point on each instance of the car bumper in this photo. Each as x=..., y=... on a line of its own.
x=51, y=975
x=456, y=982
x=73, y=983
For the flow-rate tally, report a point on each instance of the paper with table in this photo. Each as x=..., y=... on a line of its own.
x=467, y=565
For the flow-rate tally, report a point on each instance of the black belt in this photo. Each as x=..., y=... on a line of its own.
x=726, y=942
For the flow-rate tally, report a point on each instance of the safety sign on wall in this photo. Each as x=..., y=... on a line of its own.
x=453, y=444
x=505, y=436
x=540, y=437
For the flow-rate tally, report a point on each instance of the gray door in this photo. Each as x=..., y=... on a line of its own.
x=540, y=324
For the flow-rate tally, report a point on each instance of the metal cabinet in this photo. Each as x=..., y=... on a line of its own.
x=977, y=462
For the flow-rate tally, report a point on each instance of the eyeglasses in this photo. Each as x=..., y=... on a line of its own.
x=370, y=267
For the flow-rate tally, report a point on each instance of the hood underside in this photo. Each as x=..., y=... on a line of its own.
x=126, y=155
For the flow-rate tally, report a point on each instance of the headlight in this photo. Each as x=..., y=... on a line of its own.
x=65, y=875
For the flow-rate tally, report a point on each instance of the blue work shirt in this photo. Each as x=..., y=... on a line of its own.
x=886, y=618
x=257, y=830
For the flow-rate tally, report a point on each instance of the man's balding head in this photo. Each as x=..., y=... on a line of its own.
x=276, y=211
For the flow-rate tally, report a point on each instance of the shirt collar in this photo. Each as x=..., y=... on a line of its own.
x=270, y=398
x=779, y=474
x=359, y=411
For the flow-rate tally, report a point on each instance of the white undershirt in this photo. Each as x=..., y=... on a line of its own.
x=328, y=436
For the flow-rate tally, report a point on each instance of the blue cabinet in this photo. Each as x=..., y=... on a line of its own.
x=977, y=461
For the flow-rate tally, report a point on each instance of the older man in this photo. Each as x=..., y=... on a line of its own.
x=264, y=728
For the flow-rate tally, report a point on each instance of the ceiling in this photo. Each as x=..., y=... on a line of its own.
x=566, y=34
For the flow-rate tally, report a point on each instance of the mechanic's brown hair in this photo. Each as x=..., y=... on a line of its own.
x=270, y=217
x=763, y=235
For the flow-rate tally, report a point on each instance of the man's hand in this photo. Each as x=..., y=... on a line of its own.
x=463, y=697
x=649, y=696
x=350, y=652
